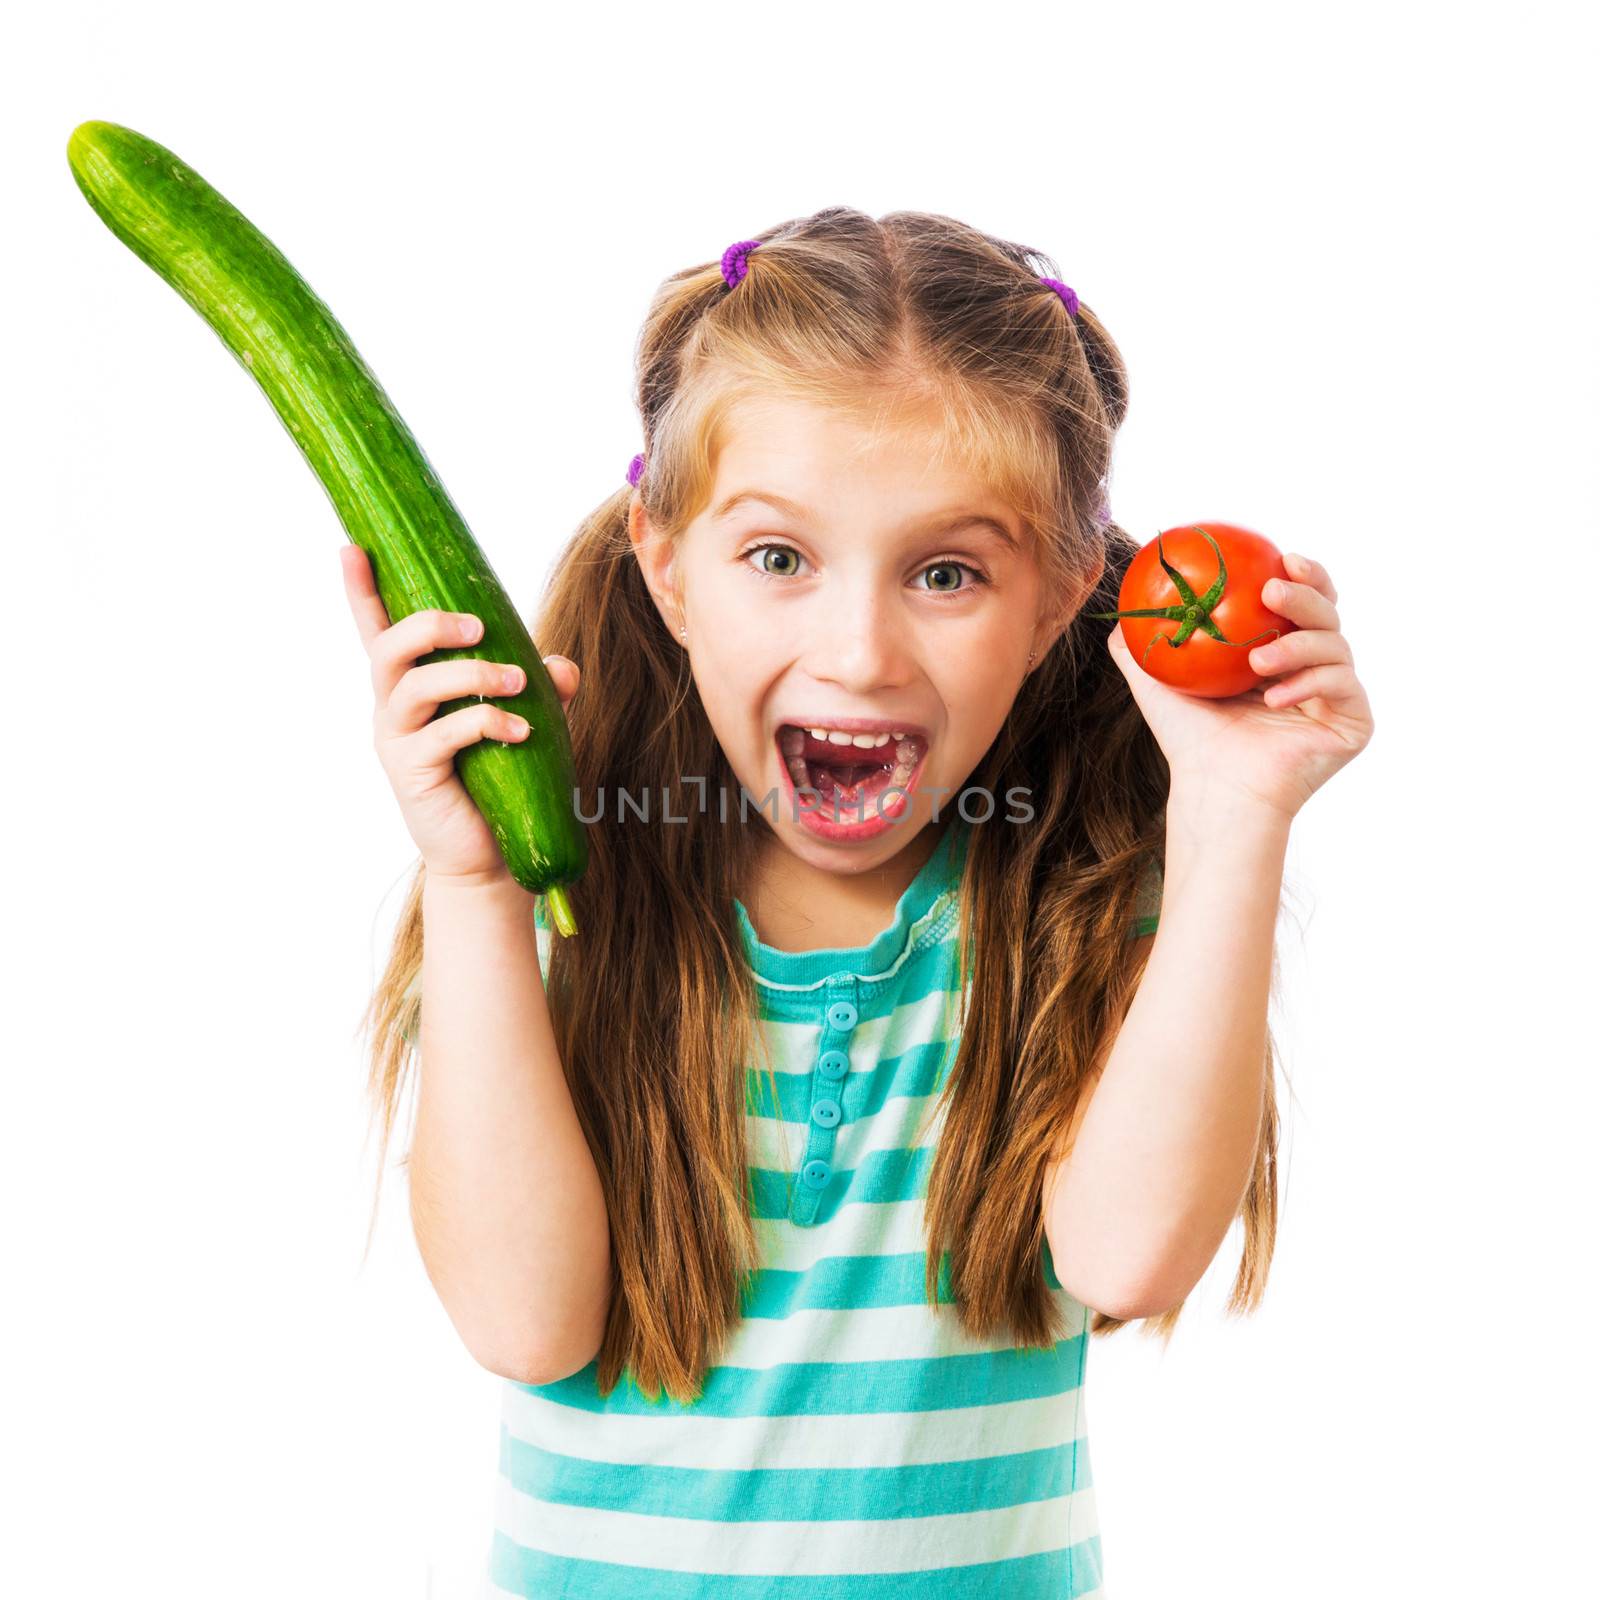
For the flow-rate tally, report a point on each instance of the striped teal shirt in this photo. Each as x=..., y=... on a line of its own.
x=850, y=1441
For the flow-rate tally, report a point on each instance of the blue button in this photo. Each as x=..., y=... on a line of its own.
x=841, y=1015
x=833, y=1063
x=814, y=1174
x=826, y=1113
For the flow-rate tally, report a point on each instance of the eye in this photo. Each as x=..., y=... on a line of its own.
x=760, y=548
x=945, y=563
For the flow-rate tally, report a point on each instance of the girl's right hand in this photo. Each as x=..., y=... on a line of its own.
x=417, y=749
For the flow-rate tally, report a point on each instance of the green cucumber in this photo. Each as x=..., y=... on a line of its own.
x=381, y=484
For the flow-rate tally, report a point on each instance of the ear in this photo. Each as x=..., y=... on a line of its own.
x=1081, y=598
x=1056, y=622
x=656, y=563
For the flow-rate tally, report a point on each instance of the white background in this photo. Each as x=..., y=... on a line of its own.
x=1349, y=254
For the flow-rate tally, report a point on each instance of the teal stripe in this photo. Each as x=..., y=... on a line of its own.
x=1143, y=925
x=845, y=1283
x=769, y=1192
x=797, y=1494
x=913, y=1071
x=844, y=1388
x=1052, y=1575
x=885, y=1175
x=855, y=1282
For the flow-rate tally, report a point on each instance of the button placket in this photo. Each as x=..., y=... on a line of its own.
x=840, y=1015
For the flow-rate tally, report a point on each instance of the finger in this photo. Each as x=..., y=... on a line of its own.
x=436, y=743
x=423, y=689
x=1304, y=570
x=396, y=650
x=362, y=592
x=564, y=674
x=1306, y=647
x=1333, y=681
x=1300, y=603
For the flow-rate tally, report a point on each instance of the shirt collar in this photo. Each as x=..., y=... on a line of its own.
x=938, y=876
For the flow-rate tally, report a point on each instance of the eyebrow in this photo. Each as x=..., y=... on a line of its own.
x=958, y=522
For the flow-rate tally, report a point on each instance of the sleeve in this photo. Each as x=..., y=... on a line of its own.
x=1147, y=909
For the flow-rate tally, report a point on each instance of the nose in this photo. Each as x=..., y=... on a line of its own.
x=859, y=640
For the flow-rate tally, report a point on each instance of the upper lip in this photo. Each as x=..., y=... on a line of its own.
x=858, y=725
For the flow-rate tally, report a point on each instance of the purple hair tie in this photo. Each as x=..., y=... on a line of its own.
x=1069, y=297
x=733, y=270
x=733, y=261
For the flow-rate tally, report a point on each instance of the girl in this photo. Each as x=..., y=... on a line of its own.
x=787, y=1195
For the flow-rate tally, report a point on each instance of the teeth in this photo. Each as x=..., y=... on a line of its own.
x=862, y=741
x=908, y=749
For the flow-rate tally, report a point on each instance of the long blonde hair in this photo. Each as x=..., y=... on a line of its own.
x=836, y=307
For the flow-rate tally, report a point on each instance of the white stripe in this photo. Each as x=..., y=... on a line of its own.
x=870, y=1333
x=774, y=1144
x=905, y=1122
x=910, y=1122
x=890, y=1544
x=722, y=1444
x=875, y=1228
x=867, y=1228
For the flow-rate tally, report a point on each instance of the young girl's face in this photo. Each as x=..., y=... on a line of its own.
x=867, y=582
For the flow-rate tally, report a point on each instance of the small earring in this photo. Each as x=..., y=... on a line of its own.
x=1030, y=655
x=683, y=633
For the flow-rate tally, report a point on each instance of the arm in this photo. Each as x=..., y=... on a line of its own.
x=506, y=1203
x=1135, y=1210
x=1160, y=1153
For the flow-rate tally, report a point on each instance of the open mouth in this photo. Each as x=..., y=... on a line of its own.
x=848, y=774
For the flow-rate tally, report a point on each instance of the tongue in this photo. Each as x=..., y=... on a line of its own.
x=848, y=776
x=845, y=765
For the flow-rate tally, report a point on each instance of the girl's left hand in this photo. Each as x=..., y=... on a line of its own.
x=1278, y=743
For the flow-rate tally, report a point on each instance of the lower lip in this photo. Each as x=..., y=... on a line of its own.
x=816, y=815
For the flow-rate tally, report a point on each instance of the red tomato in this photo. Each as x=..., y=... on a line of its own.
x=1200, y=641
